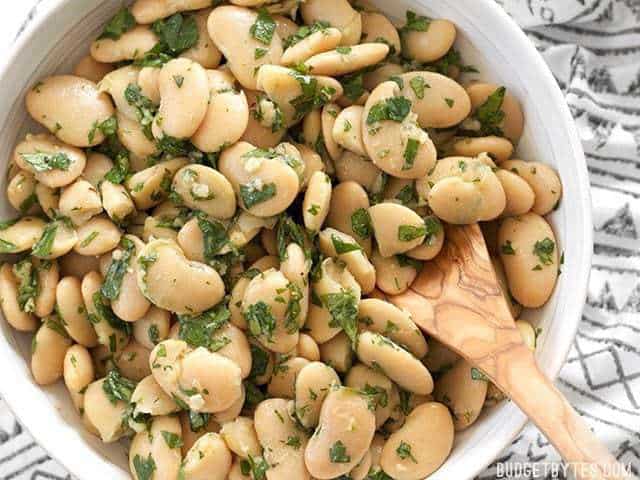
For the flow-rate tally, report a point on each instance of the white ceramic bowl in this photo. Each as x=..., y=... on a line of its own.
x=490, y=40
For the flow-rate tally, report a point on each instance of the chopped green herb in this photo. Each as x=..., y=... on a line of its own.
x=353, y=86
x=313, y=95
x=376, y=396
x=121, y=23
x=490, y=113
x=179, y=79
x=452, y=61
x=314, y=209
x=120, y=170
x=544, y=250
x=477, y=374
x=343, y=50
x=199, y=330
x=55, y=323
x=214, y=236
x=450, y=102
x=404, y=452
x=341, y=246
x=338, y=453
x=260, y=320
x=144, y=468
x=418, y=85
x=117, y=269
x=260, y=361
x=507, y=248
x=45, y=162
x=154, y=334
x=251, y=195
x=145, y=109
x=259, y=53
x=397, y=80
x=264, y=27
x=108, y=128
x=416, y=23
x=343, y=308
x=28, y=285
x=43, y=246
x=407, y=233
x=256, y=466
x=361, y=223
x=408, y=194
x=198, y=421
x=176, y=33
x=289, y=231
x=303, y=32
x=118, y=388
x=171, y=439
x=294, y=442
x=410, y=153
x=405, y=261
x=7, y=247
x=394, y=108
x=89, y=238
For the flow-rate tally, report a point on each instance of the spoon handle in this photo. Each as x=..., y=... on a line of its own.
x=547, y=407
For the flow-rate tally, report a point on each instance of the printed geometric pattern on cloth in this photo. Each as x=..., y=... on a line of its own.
x=593, y=49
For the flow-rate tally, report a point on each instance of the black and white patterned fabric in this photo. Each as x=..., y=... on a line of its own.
x=593, y=49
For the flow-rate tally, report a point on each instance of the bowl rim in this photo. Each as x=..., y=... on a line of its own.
x=573, y=304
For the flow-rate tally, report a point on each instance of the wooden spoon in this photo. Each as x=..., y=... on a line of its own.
x=457, y=299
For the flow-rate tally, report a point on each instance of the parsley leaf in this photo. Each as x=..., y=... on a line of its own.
x=120, y=170
x=433, y=228
x=408, y=194
x=257, y=466
x=214, y=236
x=45, y=162
x=507, y=248
x=252, y=196
x=343, y=308
x=198, y=330
x=341, y=246
x=121, y=23
x=117, y=387
x=353, y=85
x=416, y=23
x=361, y=223
x=544, y=250
x=289, y=232
x=117, y=269
x=490, y=114
x=260, y=320
x=145, y=109
x=313, y=95
x=303, y=32
x=338, y=453
x=418, y=85
x=260, y=361
x=264, y=27
x=394, y=108
x=404, y=452
x=407, y=233
x=28, y=287
x=43, y=246
x=177, y=33
x=144, y=468
x=171, y=439
x=410, y=152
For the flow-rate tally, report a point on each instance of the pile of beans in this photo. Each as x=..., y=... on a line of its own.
x=225, y=197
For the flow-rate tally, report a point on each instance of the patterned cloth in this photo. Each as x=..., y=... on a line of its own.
x=593, y=48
